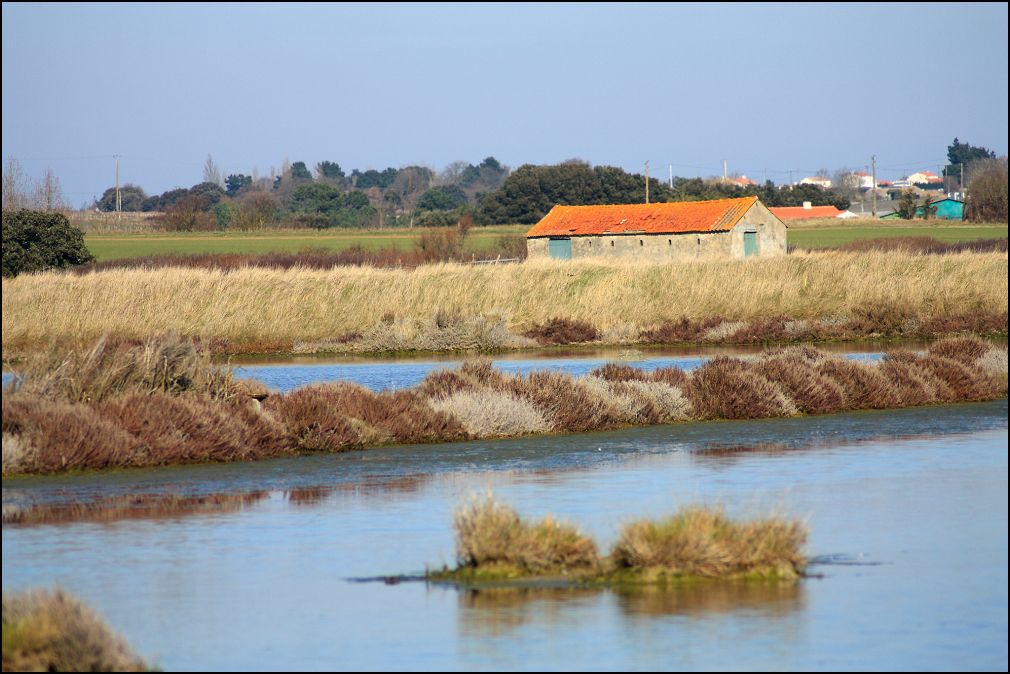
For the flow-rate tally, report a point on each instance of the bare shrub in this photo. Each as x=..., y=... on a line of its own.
x=52, y=631
x=682, y=330
x=64, y=436
x=173, y=429
x=965, y=350
x=566, y=403
x=669, y=402
x=863, y=384
x=728, y=388
x=672, y=376
x=335, y=417
x=811, y=390
x=619, y=372
x=490, y=536
x=912, y=384
x=994, y=363
x=490, y=414
x=563, y=331
x=963, y=381
x=700, y=541
x=18, y=455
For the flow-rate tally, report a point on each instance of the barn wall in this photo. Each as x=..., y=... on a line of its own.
x=655, y=247
x=771, y=232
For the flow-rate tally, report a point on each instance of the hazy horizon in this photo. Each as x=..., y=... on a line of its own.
x=769, y=88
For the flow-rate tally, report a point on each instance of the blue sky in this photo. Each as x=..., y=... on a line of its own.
x=767, y=87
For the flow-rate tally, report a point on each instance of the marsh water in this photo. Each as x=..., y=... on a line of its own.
x=907, y=511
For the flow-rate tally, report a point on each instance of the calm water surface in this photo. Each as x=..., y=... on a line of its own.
x=907, y=511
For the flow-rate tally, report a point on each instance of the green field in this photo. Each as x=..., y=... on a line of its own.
x=827, y=236
x=817, y=235
x=116, y=246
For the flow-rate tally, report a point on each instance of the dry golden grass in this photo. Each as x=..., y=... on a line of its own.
x=251, y=307
x=53, y=631
x=491, y=538
x=492, y=542
x=700, y=541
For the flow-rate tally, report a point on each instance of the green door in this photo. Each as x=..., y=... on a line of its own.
x=560, y=249
x=750, y=243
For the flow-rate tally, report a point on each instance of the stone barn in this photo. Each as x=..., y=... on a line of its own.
x=683, y=230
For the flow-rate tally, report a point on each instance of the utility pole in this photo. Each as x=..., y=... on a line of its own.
x=873, y=190
x=646, y=181
x=725, y=170
x=671, y=176
x=119, y=198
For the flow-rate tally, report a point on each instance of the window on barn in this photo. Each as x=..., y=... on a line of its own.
x=641, y=242
x=611, y=243
x=669, y=242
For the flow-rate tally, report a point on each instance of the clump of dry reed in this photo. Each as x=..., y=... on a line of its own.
x=114, y=367
x=53, y=631
x=492, y=539
x=699, y=541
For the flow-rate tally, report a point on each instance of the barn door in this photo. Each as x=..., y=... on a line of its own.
x=560, y=249
x=750, y=243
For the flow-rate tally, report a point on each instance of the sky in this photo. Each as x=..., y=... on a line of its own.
x=777, y=91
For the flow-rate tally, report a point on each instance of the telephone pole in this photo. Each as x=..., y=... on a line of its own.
x=873, y=189
x=671, y=176
x=119, y=197
x=646, y=181
x=725, y=170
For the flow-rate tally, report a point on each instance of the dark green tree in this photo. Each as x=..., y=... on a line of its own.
x=442, y=198
x=960, y=154
x=36, y=241
x=235, y=183
x=131, y=196
x=300, y=172
x=329, y=169
x=907, y=205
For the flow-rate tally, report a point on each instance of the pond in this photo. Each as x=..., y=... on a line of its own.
x=907, y=511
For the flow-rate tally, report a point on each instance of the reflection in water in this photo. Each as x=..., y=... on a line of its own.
x=496, y=611
x=128, y=506
x=769, y=599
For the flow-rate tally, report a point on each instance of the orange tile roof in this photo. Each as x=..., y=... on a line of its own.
x=800, y=213
x=676, y=217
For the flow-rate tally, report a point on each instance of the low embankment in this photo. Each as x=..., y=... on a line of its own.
x=163, y=402
x=800, y=297
x=493, y=543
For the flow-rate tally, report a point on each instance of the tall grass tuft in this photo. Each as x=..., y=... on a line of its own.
x=53, y=631
x=812, y=391
x=491, y=537
x=115, y=367
x=700, y=541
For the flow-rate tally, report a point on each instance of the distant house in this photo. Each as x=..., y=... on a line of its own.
x=807, y=211
x=946, y=209
x=740, y=181
x=685, y=230
x=925, y=178
x=817, y=180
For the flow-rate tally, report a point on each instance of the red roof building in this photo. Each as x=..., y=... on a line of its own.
x=663, y=231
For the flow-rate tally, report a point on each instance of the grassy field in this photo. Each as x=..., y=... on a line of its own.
x=277, y=307
x=115, y=246
x=825, y=233
x=808, y=234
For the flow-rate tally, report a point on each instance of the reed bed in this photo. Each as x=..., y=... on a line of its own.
x=47, y=430
x=55, y=632
x=271, y=309
x=494, y=543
